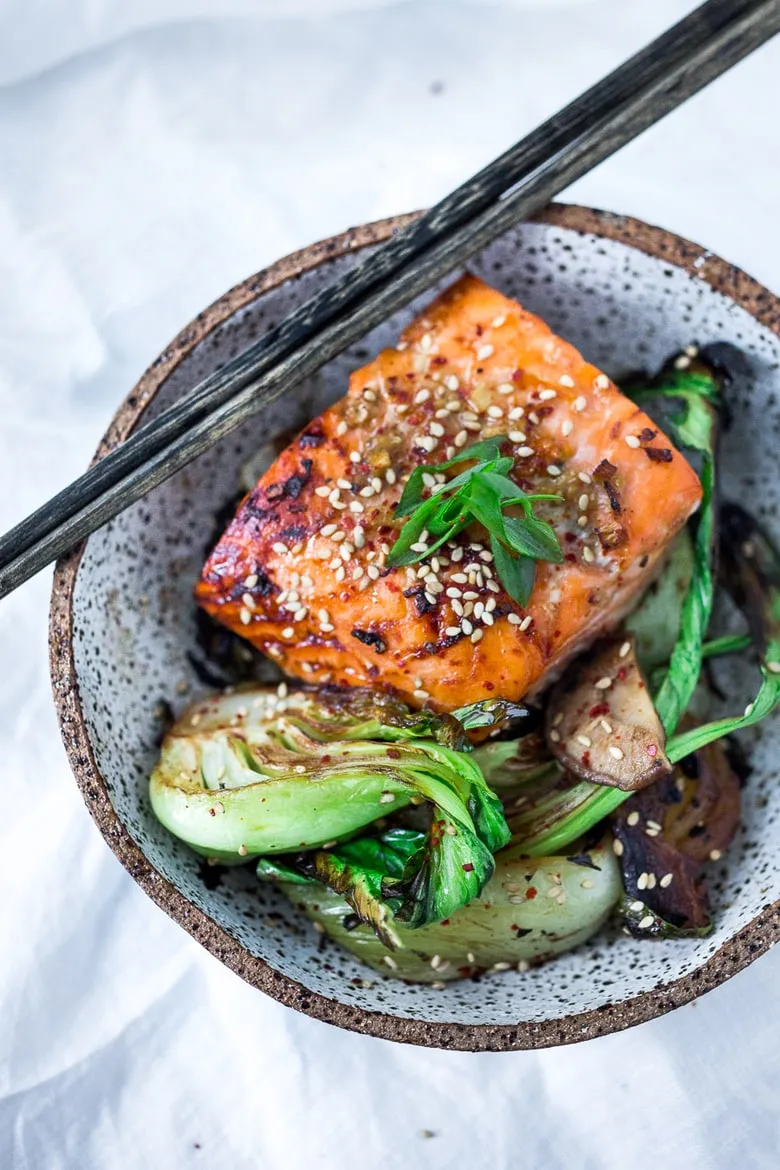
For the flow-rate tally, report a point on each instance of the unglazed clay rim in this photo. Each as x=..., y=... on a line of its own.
x=732, y=955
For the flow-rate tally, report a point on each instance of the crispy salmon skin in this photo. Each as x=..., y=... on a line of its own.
x=301, y=573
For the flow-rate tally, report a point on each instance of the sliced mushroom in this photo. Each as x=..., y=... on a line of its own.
x=667, y=833
x=601, y=722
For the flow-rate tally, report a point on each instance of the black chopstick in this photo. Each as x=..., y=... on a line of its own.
x=639, y=93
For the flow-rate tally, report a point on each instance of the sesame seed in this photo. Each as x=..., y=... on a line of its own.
x=632, y=441
x=490, y=605
x=514, y=619
x=517, y=436
x=300, y=614
x=624, y=649
x=484, y=352
x=340, y=573
x=583, y=501
x=355, y=456
x=585, y=740
x=476, y=636
x=369, y=394
x=525, y=623
x=553, y=470
x=586, y=884
x=646, y=922
x=565, y=380
x=524, y=452
x=471, y=426
x=605, y=727
x=421, y=396
x=245, y=616
x=466, y=627
x=373, y=572
x=715, y=854
x=615, y=752
x=356, y=507
x=682, y=362
x=495, y=412
x=546, y=395
x=334, y=496
x=421, y=694
x=516, y=412
x=584, y=477
x=603, y=684
x=773, y=667
x=651, y=881
x=386, y=798
x=502, y=966
x=567, y=427
x=666, y=880
x=249, y=601
x=457, y=608
x=288, y=632
x=617, y=847
x=451, y=382
x=436, y=429
x=632, y=818
x=341, y=429
x=499, y=321
x=641, y=881
x=251, y=580
x=580, y=403
x=533, y=417
x=427, y=442
x=278, y=547
x=587, y=555
x=601, y=382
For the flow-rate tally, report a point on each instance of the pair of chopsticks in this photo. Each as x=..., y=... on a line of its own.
x=614, y=111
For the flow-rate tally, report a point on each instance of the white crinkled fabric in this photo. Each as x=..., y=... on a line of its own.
x=151, y=155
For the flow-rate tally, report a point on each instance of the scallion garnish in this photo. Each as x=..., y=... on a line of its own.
x=480, y=494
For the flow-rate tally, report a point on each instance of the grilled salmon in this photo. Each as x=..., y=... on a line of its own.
x=301, y=572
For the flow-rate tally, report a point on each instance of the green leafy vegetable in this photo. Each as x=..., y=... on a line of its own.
x=480, y=494
x=643, y=922
x=513, y=920
x=249, y=774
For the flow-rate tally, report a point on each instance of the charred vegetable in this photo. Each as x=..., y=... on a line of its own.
x=668, y=831
x=601, y=722
x=250, y=773
x=529, y=910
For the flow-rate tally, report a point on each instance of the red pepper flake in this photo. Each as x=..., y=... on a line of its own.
x=444, y=922
x=467, y=867
x=531, y=893
x=622, y=674
x=599, y=709
x=394, y=753
x=586, y=759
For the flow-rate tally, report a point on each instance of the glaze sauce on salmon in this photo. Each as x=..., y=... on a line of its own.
x=300, y=572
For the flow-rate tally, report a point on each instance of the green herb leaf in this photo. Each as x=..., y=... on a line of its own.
x=479, y=494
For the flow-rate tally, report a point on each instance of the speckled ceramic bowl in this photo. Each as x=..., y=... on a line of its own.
x=122, y=629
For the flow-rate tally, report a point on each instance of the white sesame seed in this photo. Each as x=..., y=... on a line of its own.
x=357, y=572
x=566, y=380
x=245, y=616
x=641, y=881
x=288, y=632
x=340, y=573
x=466, y=627
x=773, y=667
x=617, y=847
x=390, y=476
x=624, y=649
x=615, y=752
x=427, y=442
x=387, y=798
x=514, y=619
x=369, y=394
x=457, y=608
x=402, y=408
x=567, y=427
x=583, y=501
x=249, y=601
x=490, y=605
x=421, y=694
x=460, y=578
x=461, y=439
x=476, y=637
x=646, y=922
x=487, y=619
x=436, y=429
x=506, y=388
x=356, y=507
x=632, y=441
x=358, y=536
x=495, y=412
x=517, y=436
x=355, y=457
x=334, y=496
x=632, y=818
x=516, y=412
x=421, y=396
x=524, y=452
x=587, y=555
x=606, y=727
x=499, y=321
x=533, y=417
x=715, y=854
x=666, y=880
x=601, y=382
x=452, y=631
x=682, y=362
x=580, y=403
x=546, y=395
x=525, y=623
x=585, y=740
x=484, y=352
x=603, y=684
x=251, y=580
x=278, y=547
x=376, y=484
x=584, y=477
x=451, y=382
x=555, y=736
x=553, y=470
x=373, y=572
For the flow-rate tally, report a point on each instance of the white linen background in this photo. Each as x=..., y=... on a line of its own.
x=151, y=155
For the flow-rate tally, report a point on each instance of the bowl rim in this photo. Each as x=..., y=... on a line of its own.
x=733, y=954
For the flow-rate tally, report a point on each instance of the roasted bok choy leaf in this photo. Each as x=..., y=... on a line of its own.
x=252, y=773
x=529, y=910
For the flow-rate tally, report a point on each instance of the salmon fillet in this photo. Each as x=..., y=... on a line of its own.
x=300, y=572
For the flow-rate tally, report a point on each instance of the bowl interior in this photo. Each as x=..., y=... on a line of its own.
x=133, y=622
